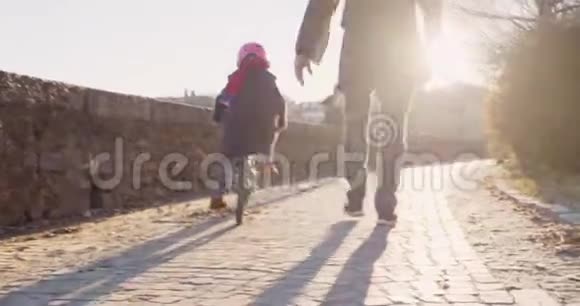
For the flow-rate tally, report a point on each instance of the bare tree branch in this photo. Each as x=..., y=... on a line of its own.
x=567, y=9
x=532, y=10
x=487, y=15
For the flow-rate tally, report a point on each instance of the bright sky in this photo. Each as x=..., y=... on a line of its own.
x=159, y=48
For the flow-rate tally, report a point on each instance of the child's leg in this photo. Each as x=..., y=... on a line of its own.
x=217, y=173
x=245, y=174
x=265, y=166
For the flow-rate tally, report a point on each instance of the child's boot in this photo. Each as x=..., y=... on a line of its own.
x=217, y=203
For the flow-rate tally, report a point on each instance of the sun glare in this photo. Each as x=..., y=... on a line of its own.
x=447, y=59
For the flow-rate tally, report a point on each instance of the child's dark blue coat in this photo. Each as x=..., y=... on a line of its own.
x=253, y=117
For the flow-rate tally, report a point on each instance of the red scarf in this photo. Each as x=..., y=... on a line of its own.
x=236, y=80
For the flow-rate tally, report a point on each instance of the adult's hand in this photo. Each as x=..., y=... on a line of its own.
x=300, y=63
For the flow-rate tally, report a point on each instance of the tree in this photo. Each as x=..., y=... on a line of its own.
x=499, y=23
x=533, y=104
x=523, y=14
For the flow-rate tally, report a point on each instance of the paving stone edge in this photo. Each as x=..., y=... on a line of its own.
x=555, y=212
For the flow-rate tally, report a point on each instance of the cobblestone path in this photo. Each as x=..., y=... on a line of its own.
x=299, y=250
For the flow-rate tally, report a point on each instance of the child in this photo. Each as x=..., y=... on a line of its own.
x=251, y=111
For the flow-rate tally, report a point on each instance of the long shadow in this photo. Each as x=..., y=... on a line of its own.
x=293, y=282
x=352, y=284
x=104, y=276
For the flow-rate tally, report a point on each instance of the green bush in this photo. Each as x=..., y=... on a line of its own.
x=533, y=114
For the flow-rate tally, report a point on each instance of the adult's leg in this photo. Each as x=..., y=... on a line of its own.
x=355, y=85
x=395, y=95
x=355, y=145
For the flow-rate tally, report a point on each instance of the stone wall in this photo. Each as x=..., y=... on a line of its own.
x=51, y=134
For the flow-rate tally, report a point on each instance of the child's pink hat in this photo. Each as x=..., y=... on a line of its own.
x=252, y=48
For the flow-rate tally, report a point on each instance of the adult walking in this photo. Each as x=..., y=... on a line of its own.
x=381, y=52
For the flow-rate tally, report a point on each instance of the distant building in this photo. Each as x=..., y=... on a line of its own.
x=190, y=97
x=188, y=94
x=309, y=112
x=452, y=113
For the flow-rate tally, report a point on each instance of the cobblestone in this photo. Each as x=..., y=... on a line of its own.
x=299, y=250
x=510, y=241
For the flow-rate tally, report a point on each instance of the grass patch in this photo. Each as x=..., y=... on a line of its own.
x=513, y=175
x=543, y=183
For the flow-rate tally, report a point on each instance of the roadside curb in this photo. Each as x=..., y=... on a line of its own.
x=555, y=212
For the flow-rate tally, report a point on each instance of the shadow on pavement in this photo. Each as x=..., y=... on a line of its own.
x=293, y=282
x=102, y=278
x=353, y=282
x=85, y=285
